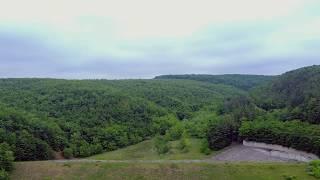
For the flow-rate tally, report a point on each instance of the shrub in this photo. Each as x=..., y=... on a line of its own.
x=175, y=132
x=162, y=124
x=199, y=125
x=161, y=145
x=204, y=148
x=4, y=175
x=67, y=165
x=68, y=153
x=313, y=168
x=6, y=157
x=288, y=177
x=184, y=144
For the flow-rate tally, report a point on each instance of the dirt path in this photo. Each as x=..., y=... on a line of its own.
x=132, y=161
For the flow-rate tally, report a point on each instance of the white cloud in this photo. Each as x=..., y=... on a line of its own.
x=143, y=18
x=200, y=33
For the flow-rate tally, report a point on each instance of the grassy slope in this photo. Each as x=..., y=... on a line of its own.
x=145, y=151
x=244, y=171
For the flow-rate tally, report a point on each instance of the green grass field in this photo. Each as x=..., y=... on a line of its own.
x=165, y=169
x=218, y=171
x=145, y=151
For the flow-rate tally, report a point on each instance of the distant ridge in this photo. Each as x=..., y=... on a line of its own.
x=240, y=81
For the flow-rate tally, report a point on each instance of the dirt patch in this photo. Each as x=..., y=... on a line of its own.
x=58, y=155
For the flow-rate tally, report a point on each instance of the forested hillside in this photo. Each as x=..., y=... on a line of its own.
x=240, y=81
x=282, y=111
x=79, y=118
x=296, y=94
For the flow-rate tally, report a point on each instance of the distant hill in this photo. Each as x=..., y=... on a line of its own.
x=296, y=92
x=240, y=81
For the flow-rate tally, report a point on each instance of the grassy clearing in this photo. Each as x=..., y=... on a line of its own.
x=145, y=151
x=219, y=171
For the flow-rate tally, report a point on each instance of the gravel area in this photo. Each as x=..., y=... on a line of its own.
x=240, y=153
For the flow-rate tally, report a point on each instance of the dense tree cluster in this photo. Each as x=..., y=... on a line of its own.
x=222, y=132
x=295, y=134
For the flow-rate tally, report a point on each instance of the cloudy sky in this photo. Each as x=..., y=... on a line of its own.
x=143, y=38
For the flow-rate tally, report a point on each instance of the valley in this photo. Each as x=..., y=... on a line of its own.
x=178, y=126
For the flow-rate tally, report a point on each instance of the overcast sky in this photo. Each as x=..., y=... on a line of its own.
x=143, y=38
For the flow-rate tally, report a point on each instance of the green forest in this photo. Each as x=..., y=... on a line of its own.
x=44, y=119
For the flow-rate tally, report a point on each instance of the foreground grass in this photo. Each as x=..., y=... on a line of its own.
x=96, y=171
x=145, y=151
